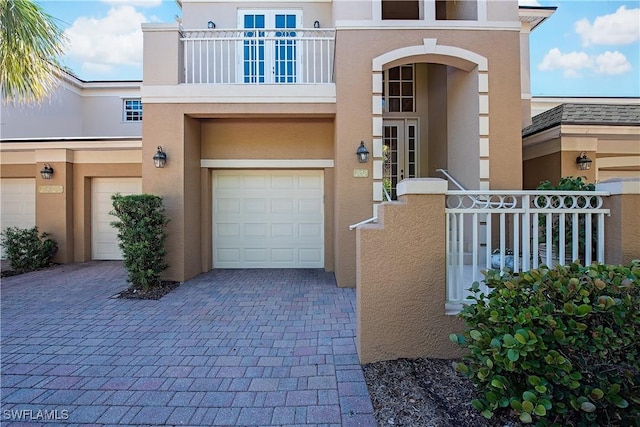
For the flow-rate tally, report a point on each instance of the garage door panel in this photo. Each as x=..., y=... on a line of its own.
x=228, y=181
x=311, y=206
x=280, y=223
x=310, y=230
x=256, y=230
x=283, y=206
x=18, y=206
x=227, y=230
x=104, y=237
x=255, y=206
x=311, y=182
x=283, y=182
x=255, y=181
x=310, y=255
x=282, y=230
x=230, y=206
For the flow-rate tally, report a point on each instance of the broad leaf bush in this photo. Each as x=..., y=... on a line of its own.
x=27, y=249
x=141, y=234
x=556, y=346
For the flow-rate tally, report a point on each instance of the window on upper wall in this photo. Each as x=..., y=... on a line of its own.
x=401, y=9
x=132, y=110
x=398, y=89
x=457, y=10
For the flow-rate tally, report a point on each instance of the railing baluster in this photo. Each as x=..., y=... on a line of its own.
x=474, y=249
x=587, y=240
x=560, y=212
x=516, y=243
x=600, y=241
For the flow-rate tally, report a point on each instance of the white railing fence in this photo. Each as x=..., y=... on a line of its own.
x=493, y=229
x=258, y=56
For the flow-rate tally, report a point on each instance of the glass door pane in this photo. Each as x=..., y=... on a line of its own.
x=254, y=49
x=285, y=50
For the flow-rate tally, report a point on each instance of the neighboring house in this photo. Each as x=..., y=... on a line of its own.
x=260, y=108
x=608, y=134
x=90, y=134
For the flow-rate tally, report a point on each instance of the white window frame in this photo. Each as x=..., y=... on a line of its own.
x=269, y=48
x=136, y=114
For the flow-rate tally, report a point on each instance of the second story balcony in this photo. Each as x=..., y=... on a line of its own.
x=254, y=56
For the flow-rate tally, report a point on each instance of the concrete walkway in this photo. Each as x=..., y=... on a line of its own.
x=230, y=347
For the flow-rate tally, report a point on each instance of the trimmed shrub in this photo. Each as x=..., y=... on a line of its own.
x=141, y=234
x=557, y=346
x=27, y=249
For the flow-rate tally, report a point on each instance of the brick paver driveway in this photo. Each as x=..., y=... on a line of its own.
x=230, y=347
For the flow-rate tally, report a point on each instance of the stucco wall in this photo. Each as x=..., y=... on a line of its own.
x=269, y=138
x=622, y=234
x=82, y=110
x=197, y=14
x=401, y=282
x=540, y=169
x=219, y=132
x=354, y=118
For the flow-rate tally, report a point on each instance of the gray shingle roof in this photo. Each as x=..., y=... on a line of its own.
x=585, y=114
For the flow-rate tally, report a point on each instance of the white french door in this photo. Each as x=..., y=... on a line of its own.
x=400, y=151
x=270, y=53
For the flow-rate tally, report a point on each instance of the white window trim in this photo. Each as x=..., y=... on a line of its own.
x=124, y=110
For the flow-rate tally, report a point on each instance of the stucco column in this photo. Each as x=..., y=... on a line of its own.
x=54, y=200
x=622, y=234
x=400, y=278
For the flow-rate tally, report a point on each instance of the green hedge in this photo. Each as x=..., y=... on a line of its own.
x=27, y=249
x=141, y=234
x=557, y=346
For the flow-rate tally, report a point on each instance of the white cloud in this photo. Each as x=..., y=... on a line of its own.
x=621, y=27
x=573, y=64
x=134, y=3
x=101, y=44
x=528, y=3
x=612, y=63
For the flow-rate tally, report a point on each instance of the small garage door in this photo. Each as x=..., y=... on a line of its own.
x=18, y=206
x=104, y=237
x=268, y=219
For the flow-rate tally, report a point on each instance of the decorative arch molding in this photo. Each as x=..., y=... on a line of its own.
x=439, y=54
x=431, y=52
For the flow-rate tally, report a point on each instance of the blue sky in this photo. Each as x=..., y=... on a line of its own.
x=587, y=48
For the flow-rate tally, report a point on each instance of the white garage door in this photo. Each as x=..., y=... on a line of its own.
x=104, y=237
x=18, y=205
x=268, y=219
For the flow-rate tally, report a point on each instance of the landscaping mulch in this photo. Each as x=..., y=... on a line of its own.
x=425, y=393
x=154, y=293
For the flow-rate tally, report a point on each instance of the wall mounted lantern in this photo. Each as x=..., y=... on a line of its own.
x=47, y=171
x=316, y=24
x=583, y=162
x=211, y=25
x=362, y=153
x=160, y=158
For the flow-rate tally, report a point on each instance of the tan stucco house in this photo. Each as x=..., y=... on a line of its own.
x=606, y=132
x=260, y=108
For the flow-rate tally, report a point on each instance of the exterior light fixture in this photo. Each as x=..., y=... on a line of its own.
x=211, y=25
x=362, y=153
x=160, y=158
x=583, y=162
x=316, y=24
x=47, y=171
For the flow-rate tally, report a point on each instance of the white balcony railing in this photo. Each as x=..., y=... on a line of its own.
x=259, y=56
x=572, y=221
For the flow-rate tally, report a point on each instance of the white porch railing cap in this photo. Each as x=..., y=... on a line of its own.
x=620, y=186
x=422, y=186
